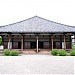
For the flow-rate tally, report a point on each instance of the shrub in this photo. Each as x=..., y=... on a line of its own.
x=73, y=46
x=62, y=53
x=14, y=53
x=54, y=52
x=72, y=52
x=7, y=52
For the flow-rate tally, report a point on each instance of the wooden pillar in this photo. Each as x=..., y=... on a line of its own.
x=60, y=41
x=74, y=38
x=52, y=40
x=9, y=40
x=64, y=41
x=70, y=42
x=12, y=41
x=22, y=42
x=37, y=43
x=2, y=40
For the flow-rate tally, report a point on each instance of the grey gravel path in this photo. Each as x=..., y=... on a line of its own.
x=37, y=64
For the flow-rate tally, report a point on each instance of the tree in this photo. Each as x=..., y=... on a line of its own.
x=0, y=40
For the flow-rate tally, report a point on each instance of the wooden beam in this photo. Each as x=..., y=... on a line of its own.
x=64, y=41
x=52, y=40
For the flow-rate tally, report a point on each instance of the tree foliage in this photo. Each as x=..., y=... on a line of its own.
x=0, y=40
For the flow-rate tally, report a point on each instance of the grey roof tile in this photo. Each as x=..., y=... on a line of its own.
x=37, y=24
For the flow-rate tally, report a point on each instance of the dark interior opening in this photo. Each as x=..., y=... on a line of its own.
x=33, y=44
x=54, y=44
x=19, y=45
x=40, y=44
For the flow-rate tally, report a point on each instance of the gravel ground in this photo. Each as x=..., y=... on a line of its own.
x=37, y=64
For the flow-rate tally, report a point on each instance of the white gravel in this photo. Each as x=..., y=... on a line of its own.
x=37, y=64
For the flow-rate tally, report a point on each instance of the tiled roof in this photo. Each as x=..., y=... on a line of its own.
x=37, y=24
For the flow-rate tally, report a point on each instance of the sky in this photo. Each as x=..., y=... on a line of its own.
x=61, y=11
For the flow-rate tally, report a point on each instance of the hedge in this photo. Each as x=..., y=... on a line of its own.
x=8, y=52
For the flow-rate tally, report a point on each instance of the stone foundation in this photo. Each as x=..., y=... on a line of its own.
x=33, y=51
